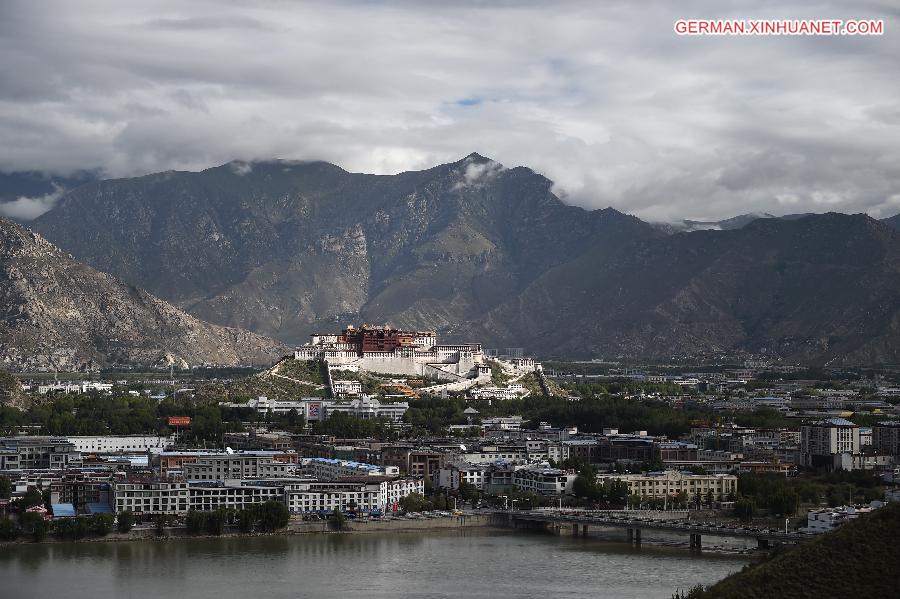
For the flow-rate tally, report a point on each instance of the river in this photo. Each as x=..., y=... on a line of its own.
x=471, y=563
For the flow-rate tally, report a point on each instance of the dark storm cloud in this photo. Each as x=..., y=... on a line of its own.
x=602, y=98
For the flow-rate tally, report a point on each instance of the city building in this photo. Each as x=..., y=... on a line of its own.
x=241, y=465
x=368, y=408
x=208, y=496
x=37, y=453
x=334, y=495
x=886, y=438
x=119, y=443
x=822, y=441
x=333, y=469
x=827, y=519
x=344, y=388
x=544, y=480
x=150, y=497
x=450, y=476
x=392, y=351
x=669, y=483
x=511, y=391
x=489, y=454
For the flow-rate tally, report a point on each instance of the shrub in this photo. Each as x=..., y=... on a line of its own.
x=125, y=521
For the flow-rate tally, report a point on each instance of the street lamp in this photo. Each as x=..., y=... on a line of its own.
x=786, y=520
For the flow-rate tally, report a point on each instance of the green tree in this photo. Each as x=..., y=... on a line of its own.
x=81, y=527
x=586, y=486
x=8, y=529
x=215, y=522
x=5, y=487
x=273, y=515
x=160, y=524
x=467, y=491
x=32, y=498
x=615, y=491
x=207, y=425
x=337, y=519
x=743, y=509
x=64, y=528
x=125, y=521
x=246, y=519
x=102, y=524
x=33, y=523
x=414, y=502
x=784, y=502
x=195, y=522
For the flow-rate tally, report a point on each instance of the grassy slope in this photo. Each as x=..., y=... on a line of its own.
x=273, y=387
x=858, y=560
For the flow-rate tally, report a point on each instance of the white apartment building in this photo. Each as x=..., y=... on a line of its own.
x=543, y=480
x=512, y=391
x=826, y=519
x=392, y=490
x=672, y=482
x=330, y=496
x=119, y=443
x=241, y=465
x=492, y=454
x=152, y=497
x=502, y=423
x=452, y=475
x=368, y=408
x=343, y=388
x=211, y=496
x=333, y=469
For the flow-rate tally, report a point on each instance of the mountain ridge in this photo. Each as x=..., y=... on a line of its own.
x=480, y=251
x=61, y=314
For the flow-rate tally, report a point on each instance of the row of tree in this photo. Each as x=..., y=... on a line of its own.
x=36, y=526
x=266, y=517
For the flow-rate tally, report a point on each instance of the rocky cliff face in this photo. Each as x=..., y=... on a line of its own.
x=286, y=248
x=489, y=253
x=59, y=313
x=823, y=288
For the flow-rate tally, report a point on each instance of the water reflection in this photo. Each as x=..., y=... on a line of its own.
x=474, y=563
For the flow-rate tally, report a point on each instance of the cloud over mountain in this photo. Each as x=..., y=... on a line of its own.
x=604, y=99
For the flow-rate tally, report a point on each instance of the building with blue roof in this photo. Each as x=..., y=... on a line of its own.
x=62, y=510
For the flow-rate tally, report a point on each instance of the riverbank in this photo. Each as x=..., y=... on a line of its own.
x=294, y=527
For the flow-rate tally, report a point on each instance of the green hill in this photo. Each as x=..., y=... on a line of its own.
x=288, y=379
x=858, y=560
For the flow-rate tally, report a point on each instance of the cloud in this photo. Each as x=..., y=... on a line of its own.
x=24, y=208
x=477, y=173
x=603, y=98
x=241, y=168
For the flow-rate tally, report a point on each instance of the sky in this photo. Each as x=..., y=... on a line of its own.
x=601, y=97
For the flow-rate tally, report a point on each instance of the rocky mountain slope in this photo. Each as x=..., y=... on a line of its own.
x=285, y=248
x=821, y=288
x=59, y=313
x=489, y=253
x=893, y=221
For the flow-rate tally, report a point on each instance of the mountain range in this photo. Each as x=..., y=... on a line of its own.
x=59, y=313
x=484, y=252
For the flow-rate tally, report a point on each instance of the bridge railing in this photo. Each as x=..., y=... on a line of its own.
x=727, y=530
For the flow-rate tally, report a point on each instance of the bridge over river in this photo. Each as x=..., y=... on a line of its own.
x=635, y=522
